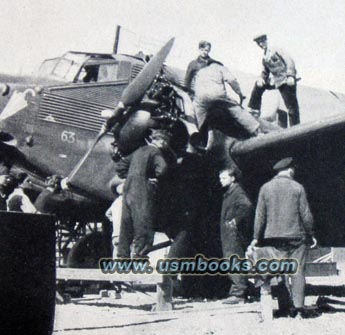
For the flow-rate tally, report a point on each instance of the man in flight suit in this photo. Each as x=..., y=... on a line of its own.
x=143, y=169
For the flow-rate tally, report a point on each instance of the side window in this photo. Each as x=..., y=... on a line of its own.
x=107, y=72
x=88, y=74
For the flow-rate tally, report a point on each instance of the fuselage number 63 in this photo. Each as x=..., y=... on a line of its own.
x=68, y=136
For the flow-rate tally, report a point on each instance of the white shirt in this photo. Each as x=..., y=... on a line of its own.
x=114, y=214
x=26, y=204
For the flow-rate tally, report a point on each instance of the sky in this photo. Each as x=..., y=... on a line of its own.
x=311, y=31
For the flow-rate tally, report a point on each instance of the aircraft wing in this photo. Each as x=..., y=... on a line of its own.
x=319, y=152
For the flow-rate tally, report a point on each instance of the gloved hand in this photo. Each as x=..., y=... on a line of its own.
x=290, y=81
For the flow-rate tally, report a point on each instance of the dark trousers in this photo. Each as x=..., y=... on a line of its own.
x=232, y=244
x=136, y=225
x=293, y=250
x=297, y=280
x=289, y=95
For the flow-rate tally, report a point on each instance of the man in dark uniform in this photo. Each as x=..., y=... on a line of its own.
x=142, y=171
x=235, y=226
x=284, y=224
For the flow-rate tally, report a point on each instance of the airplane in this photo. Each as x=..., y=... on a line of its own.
x=54, y=122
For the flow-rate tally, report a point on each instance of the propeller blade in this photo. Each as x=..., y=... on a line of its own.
x=83, y=159
x=137, y=88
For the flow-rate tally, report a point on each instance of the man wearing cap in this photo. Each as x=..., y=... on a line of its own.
x=195, y=65
x=278, y=72
x=143, y=169
x=284, y=223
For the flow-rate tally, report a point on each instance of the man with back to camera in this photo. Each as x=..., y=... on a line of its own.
x=278, y=72
x=142, y=169
x=284, y=223
x=235, y=226
x=212, y=105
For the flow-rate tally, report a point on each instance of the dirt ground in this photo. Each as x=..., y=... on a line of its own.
x=93, y=315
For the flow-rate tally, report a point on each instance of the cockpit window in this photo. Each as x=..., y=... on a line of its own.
x=107, y=72
x=100, y=73
x=88, y=74
x=61, y=68
x=82, y=68
x=47, y=67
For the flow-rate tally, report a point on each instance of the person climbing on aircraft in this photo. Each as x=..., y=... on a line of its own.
x=278, y=72
x=212, y=105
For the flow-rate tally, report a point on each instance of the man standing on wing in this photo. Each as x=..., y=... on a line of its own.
x=278, y=72
x=195, y=65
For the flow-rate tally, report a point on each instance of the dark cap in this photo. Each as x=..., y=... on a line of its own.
x=204, y=44
x=160, y=134
x=283, y=164
x=259, y=38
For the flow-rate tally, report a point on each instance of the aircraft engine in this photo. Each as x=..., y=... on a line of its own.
x=159, y=109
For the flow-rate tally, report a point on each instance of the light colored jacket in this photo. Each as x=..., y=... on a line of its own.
x=210, y=82
x=279, y=64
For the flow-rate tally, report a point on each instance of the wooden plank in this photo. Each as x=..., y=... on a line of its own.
x=97, y=275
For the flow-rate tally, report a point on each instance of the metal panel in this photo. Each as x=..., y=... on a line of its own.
x=78, y=106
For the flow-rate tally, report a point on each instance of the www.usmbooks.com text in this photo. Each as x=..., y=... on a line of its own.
x=200, y=265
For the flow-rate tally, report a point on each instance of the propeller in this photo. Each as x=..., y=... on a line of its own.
x=130, y=95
